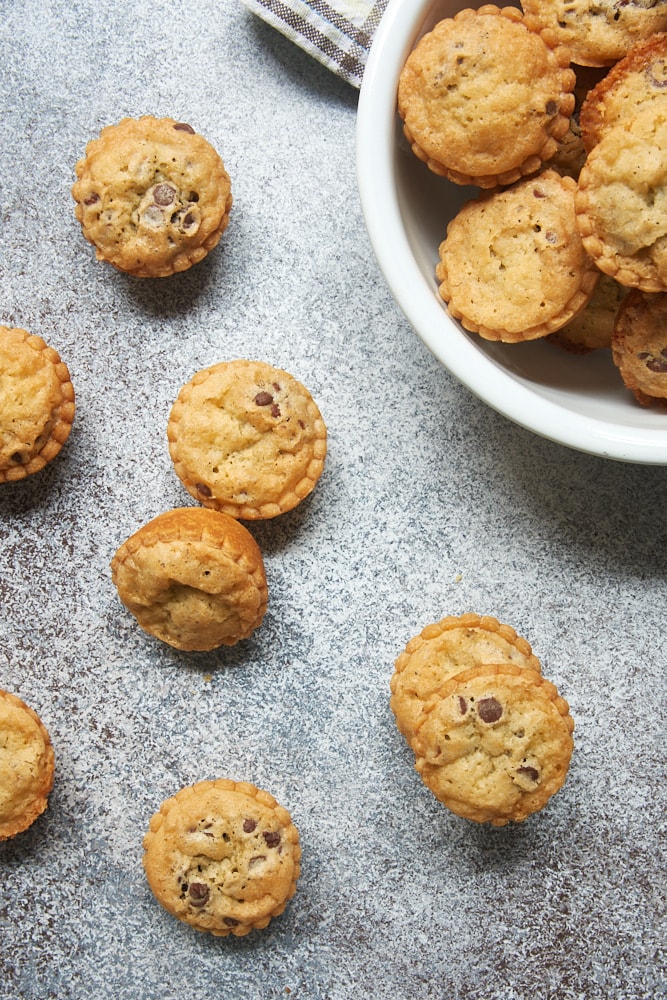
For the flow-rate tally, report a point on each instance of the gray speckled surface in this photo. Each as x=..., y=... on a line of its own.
x=430, y=504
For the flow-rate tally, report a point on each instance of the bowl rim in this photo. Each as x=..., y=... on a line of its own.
x=401, y=24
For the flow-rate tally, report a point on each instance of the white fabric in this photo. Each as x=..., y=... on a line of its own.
x=338, y=33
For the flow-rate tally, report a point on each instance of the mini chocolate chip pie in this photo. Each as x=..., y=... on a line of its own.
x=222, y=856
x=152, y=196
x=26, y=766
x=634, y=83
x=598, y=33
x=639, y=347
x=513, y=266
x=247, y=439
x=36, y=404
x=485, y=96
x=193, y=578
x=621, y=200
x=442, y=651
x=495, y=743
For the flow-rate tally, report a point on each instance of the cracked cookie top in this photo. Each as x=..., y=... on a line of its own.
x=635, y=83
x=193, y=578
x=247, y=438
x=494, y=743
x=444, y=649
x=484, y=97
x=222, y=856
x=512, y=266
x=621, y=201
x=598, y=32
x=152, y=196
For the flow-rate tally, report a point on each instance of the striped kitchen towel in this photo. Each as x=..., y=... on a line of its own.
x=338, y=33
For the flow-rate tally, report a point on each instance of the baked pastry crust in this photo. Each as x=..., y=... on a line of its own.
x=513, y=266
x=621, y=201
x=247, y=439
x=26, y=765
x=222, y=856
x=598, y=32
x=36, y=403
x=592, y=328
x=152, y=196
x=193, y=578
x=484, y=96
x=445, y=649
x=635, y=83
x=639, y=347
x=570, y=155
x=495, y=743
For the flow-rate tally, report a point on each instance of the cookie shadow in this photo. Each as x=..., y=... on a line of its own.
x=177, y=294
x=276, y=534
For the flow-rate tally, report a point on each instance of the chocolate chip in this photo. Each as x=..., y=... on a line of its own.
x=489, y=710
x=92, y=199
x=163, y=194
x=256, y=860
x=231, y=922
x=276, y=387
x=249, y=825
x=198, y=893
x=463, y=705
x=204, y=489
x=17, y=458
x=184, y=127
x=657, y=365
x=189, y=220
x=538, y=193
x=551, y=237
x=551, y=108
x=529, y=772
x=275, y=410
x=272, y=838
x=263, y=398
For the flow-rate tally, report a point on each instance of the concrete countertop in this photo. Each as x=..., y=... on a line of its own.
x=430, y=504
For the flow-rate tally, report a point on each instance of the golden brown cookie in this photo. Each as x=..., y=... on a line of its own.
x=621, y=201
x=193, y=578
x=494, y=743
x=592, y=328
x=639, y=347
x=484, y=97
x=634, y=83
x=36, y=403
x=26, y=766
x=152, y=196
x=512, y=266
x=247, y=439
x=444, y=649
x=222, y=856
x=598, y=32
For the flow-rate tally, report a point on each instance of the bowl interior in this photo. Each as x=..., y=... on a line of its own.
x=577, y=400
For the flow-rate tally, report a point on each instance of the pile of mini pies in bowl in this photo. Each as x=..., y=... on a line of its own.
x=522, y=246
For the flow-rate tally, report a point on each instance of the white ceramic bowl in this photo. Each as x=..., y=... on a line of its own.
x=579, y=401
